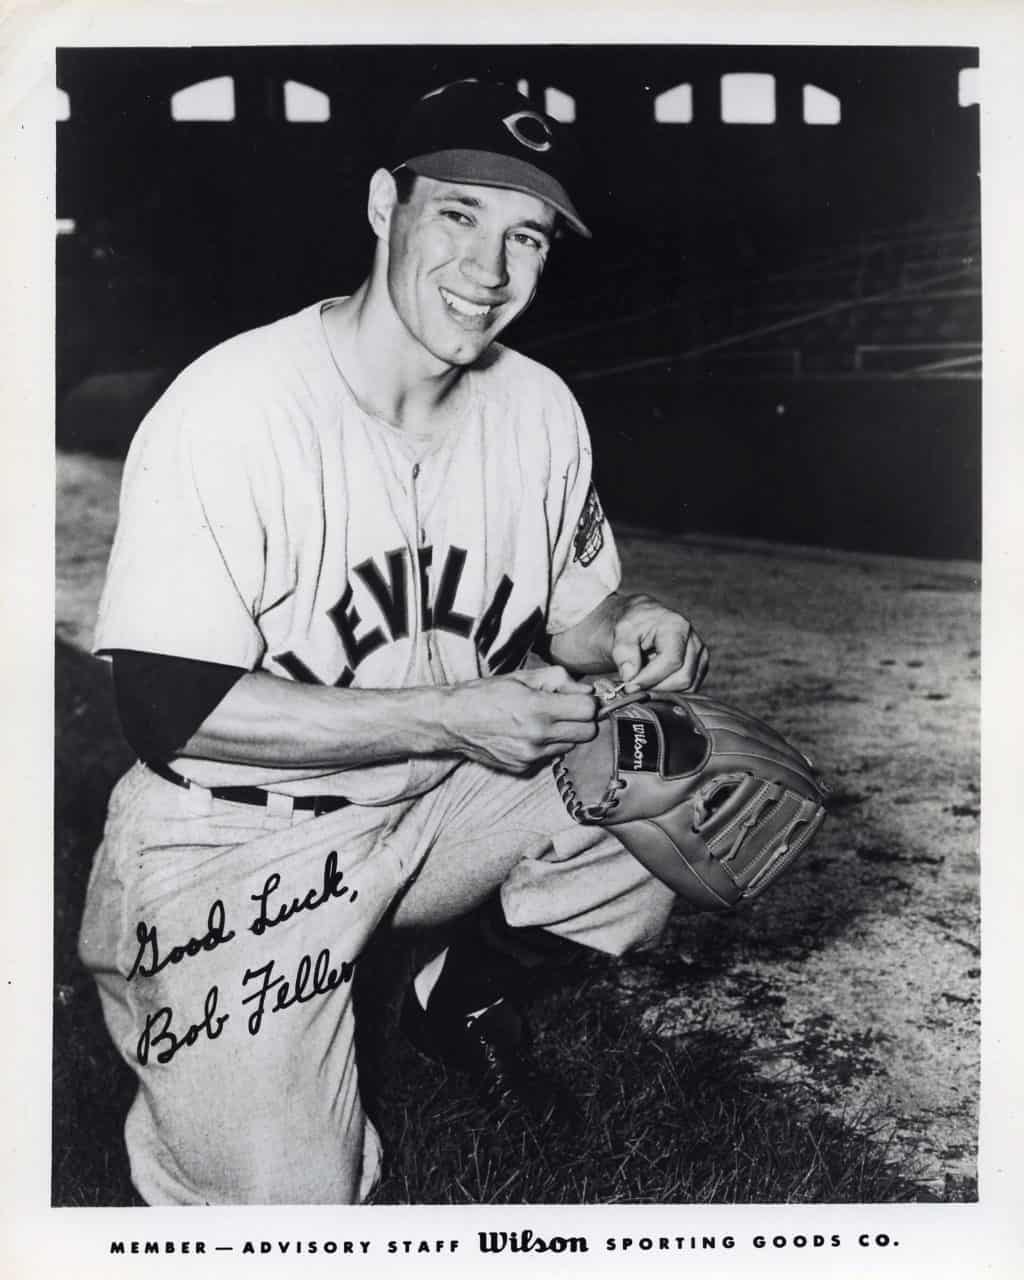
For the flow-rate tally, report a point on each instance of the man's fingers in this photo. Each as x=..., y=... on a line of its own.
x=575, y=731
x=553, y=680
x=572, y=707
x=669, y=654
x=682, y=667
x=562, y=746
x=689, y=668
x=689, y=677
x=628, y=658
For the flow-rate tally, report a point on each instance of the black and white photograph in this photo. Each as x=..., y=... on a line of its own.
x=401, y=687
x=517, y=598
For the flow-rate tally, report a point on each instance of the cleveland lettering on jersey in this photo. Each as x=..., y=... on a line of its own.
x=360, y=637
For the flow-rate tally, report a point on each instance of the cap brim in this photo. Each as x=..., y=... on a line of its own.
x=491, y=169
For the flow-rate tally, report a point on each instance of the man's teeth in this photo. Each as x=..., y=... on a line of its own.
x=464, y=307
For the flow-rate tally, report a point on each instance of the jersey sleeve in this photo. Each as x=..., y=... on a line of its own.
x=188, y=567
x=585, y=563
x=162, y=701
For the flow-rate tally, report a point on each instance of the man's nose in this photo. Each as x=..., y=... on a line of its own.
x=485, y=263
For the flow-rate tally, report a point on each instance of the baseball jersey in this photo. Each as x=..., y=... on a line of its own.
x=269, y=522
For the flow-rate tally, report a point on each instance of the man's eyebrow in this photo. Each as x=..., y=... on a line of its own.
x=544, y=228
x=474, y=202
x=458, y=197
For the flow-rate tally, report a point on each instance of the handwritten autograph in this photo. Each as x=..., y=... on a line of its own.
x=160, y=1023
x=148, y=960
x=313, y=977
x=332, y=887
x=325, y=978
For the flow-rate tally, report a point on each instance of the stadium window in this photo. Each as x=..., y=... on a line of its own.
x=675, y=106
x=305, y=105
x=968, y=87
x=562, y=106
x=559, y=105
x=63, y=106
x=206, y=100
x=748, y=97
x=820, y=106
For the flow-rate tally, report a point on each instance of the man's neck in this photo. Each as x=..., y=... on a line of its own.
x=390, y=377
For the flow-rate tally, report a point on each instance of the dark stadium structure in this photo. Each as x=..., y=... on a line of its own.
x=775, y=332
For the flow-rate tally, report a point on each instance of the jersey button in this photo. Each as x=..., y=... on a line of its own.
x=415, y=470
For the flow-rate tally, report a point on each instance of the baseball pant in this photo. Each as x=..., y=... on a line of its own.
x=223, y=938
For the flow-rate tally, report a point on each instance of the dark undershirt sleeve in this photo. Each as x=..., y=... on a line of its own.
x=162, y=700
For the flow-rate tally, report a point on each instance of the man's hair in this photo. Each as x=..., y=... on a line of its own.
x=405, y=180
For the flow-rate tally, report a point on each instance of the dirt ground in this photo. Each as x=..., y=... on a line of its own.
x=858, y=975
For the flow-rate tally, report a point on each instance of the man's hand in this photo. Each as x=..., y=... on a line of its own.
x=650, y=646
x=512, y=722
x=655, y=648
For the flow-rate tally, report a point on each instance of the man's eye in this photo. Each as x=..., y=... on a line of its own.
x=456, y=215
x=528, y=241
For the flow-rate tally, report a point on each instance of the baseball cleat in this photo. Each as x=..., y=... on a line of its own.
x=493, y=1050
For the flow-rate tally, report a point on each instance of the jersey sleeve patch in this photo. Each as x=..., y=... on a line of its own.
x=589, y=537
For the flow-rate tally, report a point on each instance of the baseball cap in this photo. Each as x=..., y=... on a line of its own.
x=490, y=135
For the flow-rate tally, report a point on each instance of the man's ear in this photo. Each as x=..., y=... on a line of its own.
x=381, y=201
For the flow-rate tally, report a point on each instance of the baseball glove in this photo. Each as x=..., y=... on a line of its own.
x=711, y=800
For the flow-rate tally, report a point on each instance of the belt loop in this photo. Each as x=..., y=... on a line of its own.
x=200, y=800
x=278, y=805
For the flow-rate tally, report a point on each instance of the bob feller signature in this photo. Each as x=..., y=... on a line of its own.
x=268, y=991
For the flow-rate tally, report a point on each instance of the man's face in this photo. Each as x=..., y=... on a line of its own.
x=463, y=262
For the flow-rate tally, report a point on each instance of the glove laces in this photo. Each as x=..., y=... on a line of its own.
x=579, y=811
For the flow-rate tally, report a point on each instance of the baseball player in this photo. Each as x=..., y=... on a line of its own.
x=341, y=536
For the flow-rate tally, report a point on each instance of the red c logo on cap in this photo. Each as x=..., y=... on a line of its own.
x=514, y=124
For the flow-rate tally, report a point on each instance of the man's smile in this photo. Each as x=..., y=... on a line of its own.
x=465, y=307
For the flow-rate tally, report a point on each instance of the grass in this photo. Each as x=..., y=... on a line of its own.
x=688, y=1119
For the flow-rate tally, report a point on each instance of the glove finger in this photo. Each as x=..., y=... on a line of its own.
x=741, y=743
x=743, y=753
x=729, y=736
x=718, y=719
x=796, y=825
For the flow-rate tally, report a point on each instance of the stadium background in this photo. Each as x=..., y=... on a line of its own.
x=777, y=325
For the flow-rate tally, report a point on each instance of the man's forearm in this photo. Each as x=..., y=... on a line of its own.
x=266, y=720
x=504, y=722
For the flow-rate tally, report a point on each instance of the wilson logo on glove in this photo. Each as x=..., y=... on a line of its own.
x=638, y=748
x=710, y=799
